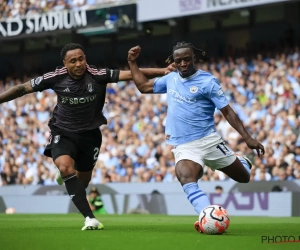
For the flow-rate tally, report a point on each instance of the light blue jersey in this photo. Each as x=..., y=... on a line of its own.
x=191, y=105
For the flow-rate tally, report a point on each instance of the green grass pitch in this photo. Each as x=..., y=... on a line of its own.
x=145, y=232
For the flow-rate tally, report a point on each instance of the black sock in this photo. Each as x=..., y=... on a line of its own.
x=78, y=195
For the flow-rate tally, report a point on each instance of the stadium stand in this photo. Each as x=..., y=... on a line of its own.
x=264, y=91
x=20, y=8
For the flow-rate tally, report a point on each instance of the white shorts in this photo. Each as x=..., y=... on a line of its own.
x=209, y=150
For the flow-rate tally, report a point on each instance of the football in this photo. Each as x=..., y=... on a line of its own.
x=10, y=210
x=214, y=219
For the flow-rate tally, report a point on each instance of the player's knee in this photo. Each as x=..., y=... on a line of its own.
x=65, y=165
x=65, y=168
x=185, y=177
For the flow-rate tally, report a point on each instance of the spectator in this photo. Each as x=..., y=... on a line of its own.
x=218, y=190
x=19, y=8
x=95, y=201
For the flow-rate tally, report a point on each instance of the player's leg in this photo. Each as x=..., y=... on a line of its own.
x=220, y=156
x=73, y=185
x=89, y=146
x=188, y=171
x=84, y=177
x=75, y=189
x=239, y=170
x=63, y=151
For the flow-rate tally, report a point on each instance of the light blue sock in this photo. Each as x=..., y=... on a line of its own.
x=245, y=164
x=197, y=197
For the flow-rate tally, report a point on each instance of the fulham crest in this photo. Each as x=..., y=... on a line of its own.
x=56, y=138
x=90, y=87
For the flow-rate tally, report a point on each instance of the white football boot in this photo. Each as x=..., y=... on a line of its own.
x=242, y=157
x=92, y=224
x=58, y=178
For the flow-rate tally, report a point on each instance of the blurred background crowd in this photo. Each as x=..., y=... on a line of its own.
x=264, y=90
x=21, y=8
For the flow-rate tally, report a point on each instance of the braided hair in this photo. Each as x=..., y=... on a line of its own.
x=198, y=53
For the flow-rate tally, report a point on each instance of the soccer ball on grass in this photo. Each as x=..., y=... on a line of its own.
x=10, y=210
x=213, y=219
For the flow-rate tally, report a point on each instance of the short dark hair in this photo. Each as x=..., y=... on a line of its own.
x=68, y=47
x=219, y=187
x=199, y=53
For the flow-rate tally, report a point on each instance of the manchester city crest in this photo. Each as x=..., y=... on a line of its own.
x=193, y=89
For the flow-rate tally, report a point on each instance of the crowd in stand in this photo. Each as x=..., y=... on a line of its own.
x=21, y=8
x=264, y=91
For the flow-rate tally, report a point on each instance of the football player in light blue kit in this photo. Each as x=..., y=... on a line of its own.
x=192, y=97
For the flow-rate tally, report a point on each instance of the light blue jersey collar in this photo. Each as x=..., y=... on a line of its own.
x=190, y=77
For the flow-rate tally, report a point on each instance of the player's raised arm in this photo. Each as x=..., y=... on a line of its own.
x=141, y=81
x=237, y=124
x=126, y=75
x=149, y=73
x=16, y=91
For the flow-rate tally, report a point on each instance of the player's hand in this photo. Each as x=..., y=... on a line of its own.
x=171, y=68
x=254, y=144
x=133, y=53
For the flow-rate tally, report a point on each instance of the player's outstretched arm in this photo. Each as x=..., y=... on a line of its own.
x=141, y=81
x=237, y=124
x=126, y=75
x=16, y=91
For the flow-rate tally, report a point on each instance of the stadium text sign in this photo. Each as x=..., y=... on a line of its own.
x=176, y=8
x=45, y=22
